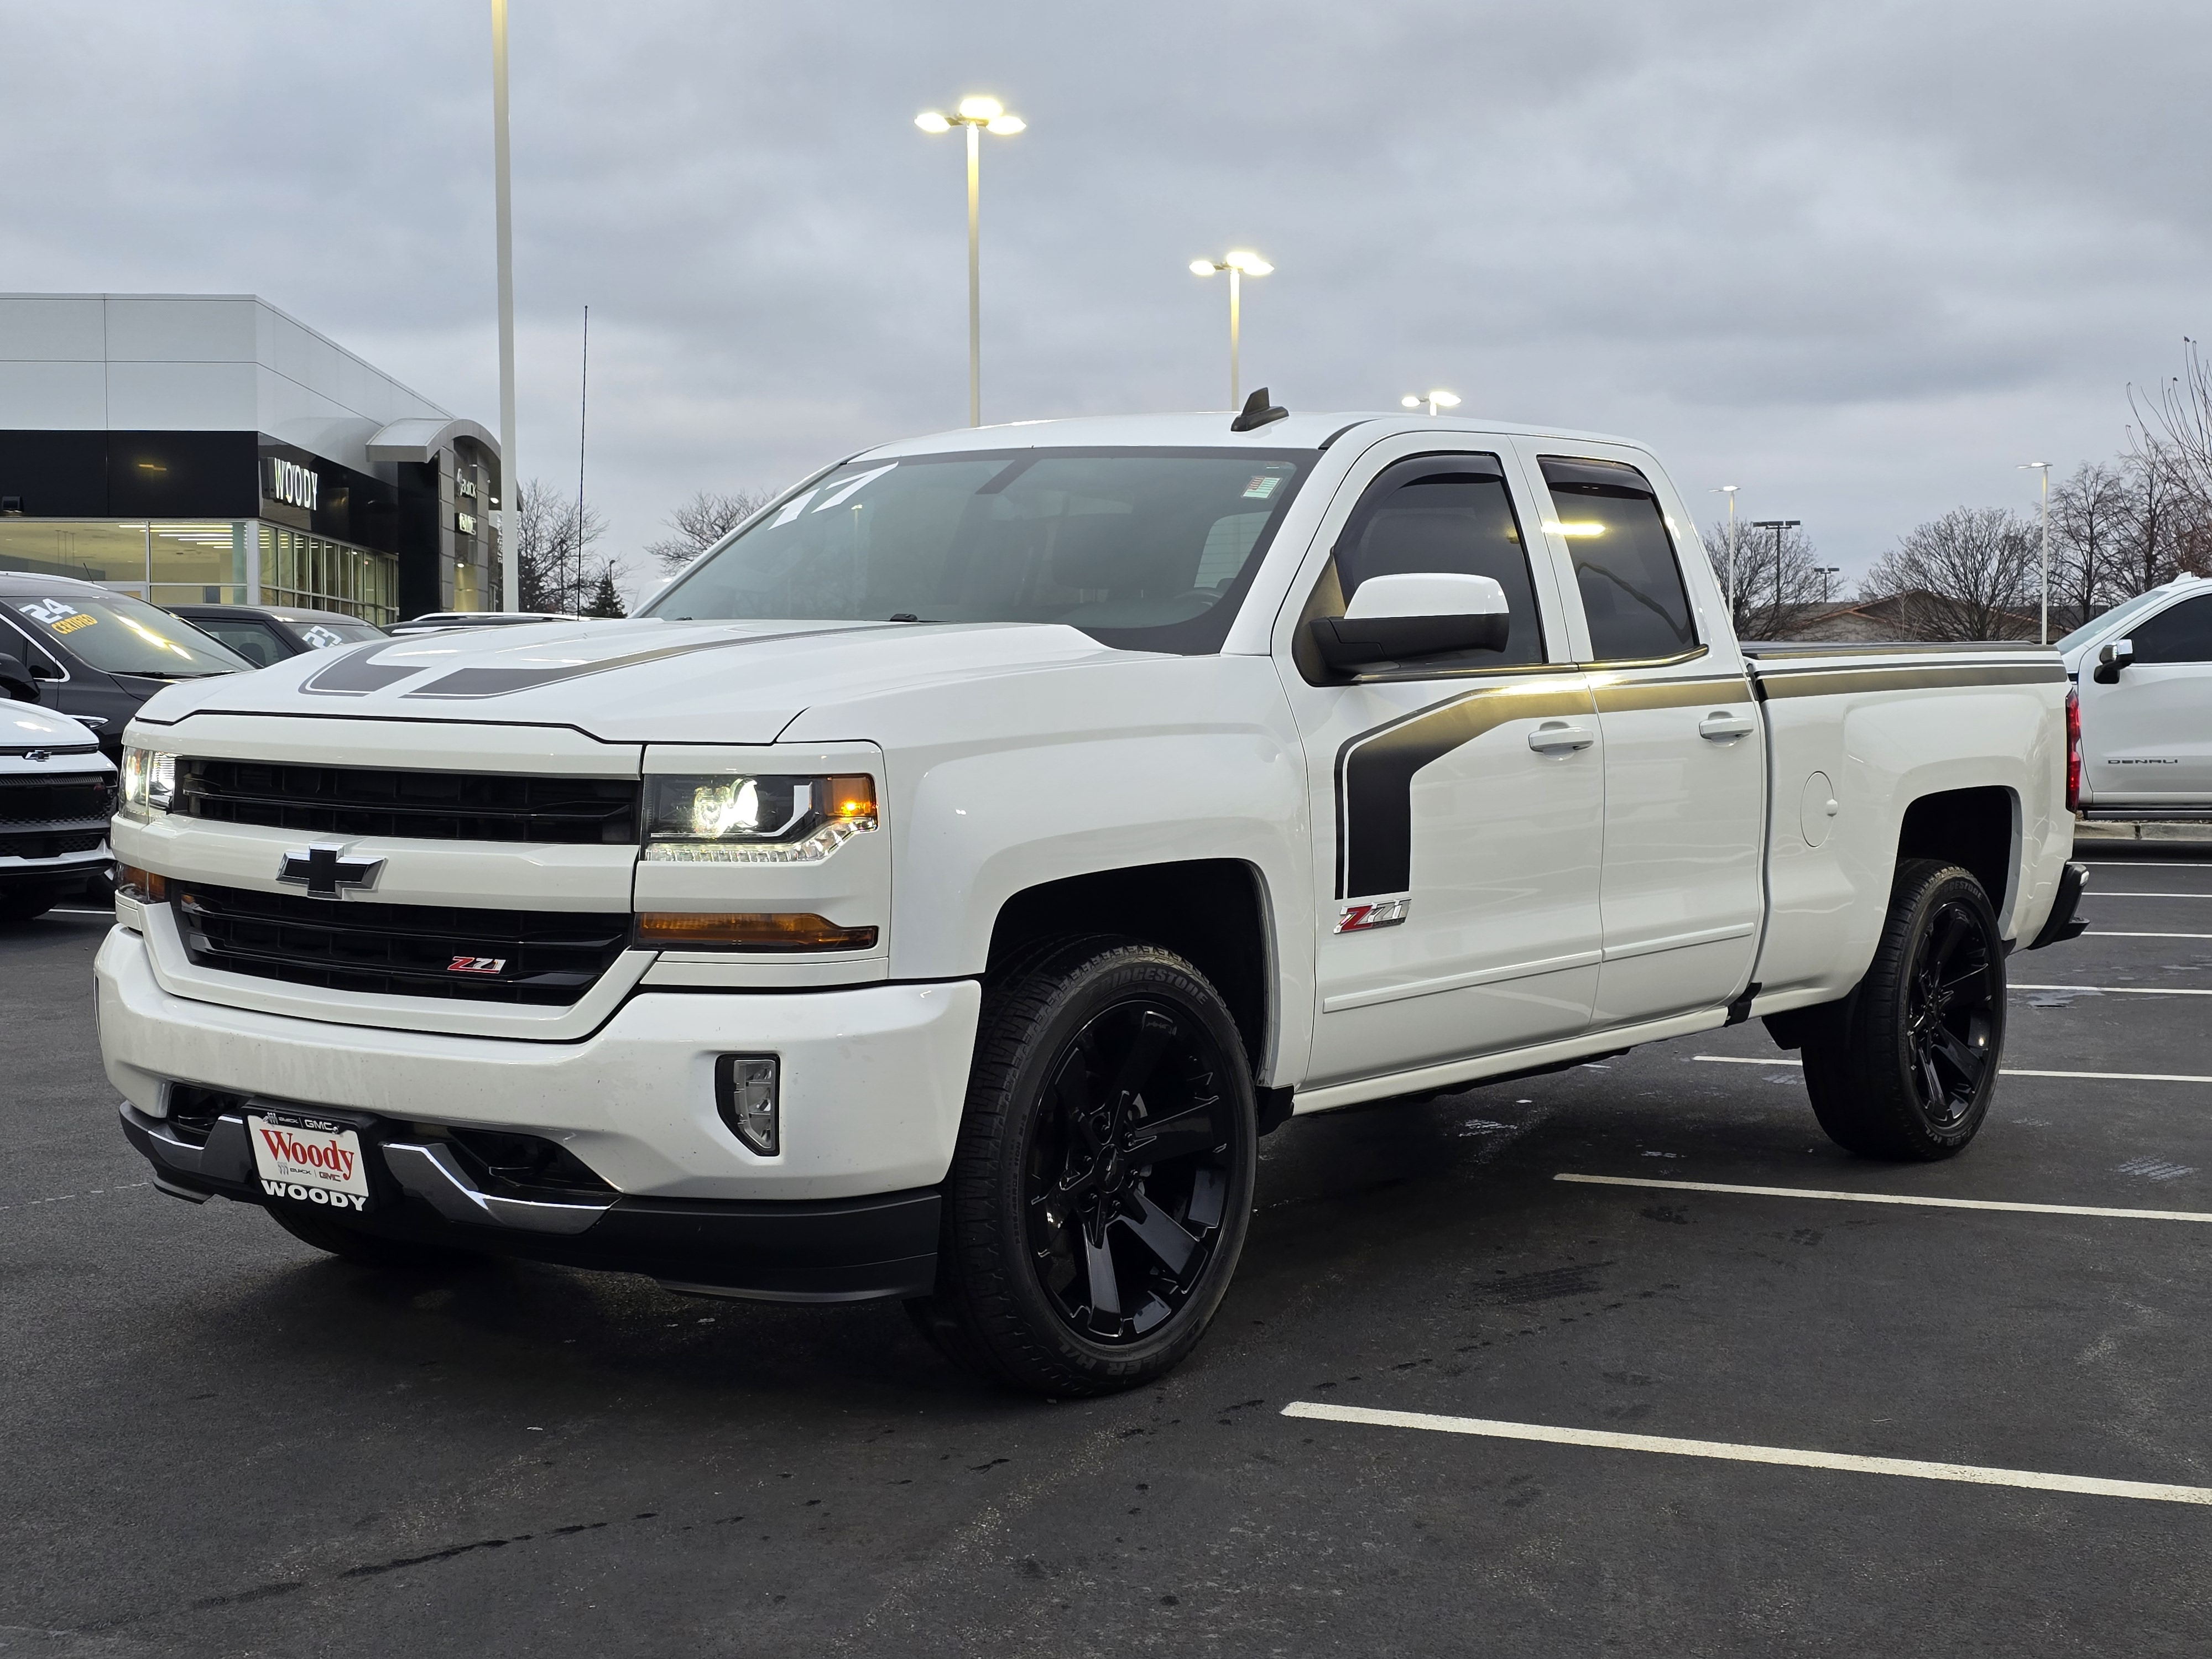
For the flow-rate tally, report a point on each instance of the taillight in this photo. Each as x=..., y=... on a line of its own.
x=2073, y=749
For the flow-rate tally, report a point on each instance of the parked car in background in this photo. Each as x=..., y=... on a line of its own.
x=439, y=622
x=57, y=795
x=2143, y=675
x=95, y=655
x=263, y=634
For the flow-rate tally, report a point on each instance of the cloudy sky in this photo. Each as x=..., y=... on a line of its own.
x=1860, y=259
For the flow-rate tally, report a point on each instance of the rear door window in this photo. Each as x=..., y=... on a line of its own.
x=1445, y=514
x=2181, y=633
x=1626, y=570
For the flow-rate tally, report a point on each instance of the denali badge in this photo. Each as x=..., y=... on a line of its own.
x=323, y=869
x=1387, y=912
x=476, y=965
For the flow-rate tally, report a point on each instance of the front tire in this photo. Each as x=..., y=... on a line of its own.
x=1103, y=1182
x=1906, y=1068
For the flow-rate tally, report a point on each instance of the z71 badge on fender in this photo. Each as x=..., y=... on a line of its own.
x=476, y=965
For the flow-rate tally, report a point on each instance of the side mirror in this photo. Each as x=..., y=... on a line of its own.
x=1394, y=619
x=2121, y=654
x=15, y=681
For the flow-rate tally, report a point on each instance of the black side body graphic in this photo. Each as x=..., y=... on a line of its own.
x=1374, y=777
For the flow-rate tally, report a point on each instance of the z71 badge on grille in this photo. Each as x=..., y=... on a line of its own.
x=476, y=965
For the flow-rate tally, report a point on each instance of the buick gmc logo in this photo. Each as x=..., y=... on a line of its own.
x=324, y=871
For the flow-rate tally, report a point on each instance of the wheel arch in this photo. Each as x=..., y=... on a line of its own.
x=1214, y=913
x=1977, y=828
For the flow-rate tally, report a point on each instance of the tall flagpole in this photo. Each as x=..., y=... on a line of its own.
x=510, y=485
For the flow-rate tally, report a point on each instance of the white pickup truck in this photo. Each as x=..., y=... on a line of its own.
x=940, y=888
x=2143, y=677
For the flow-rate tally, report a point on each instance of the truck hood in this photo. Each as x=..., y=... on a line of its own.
x=643, y=681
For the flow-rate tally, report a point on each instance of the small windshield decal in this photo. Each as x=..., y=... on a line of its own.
x=793, y=510
x=859, y=484
x=58, y=615
x=1261, y=486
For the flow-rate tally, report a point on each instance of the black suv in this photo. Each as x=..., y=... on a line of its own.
x=94, y=654
x=263, y=634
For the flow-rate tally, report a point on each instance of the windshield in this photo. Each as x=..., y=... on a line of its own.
x=1147, y=550
x=2120, y=612
x=120, y=635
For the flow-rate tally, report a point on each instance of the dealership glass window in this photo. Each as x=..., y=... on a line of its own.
x=315, y=572
x=91, y=552
x=196, y=563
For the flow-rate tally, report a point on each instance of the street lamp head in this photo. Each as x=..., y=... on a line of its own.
x=981, y=109
x=1005, y=126
x=1204, y=267
x=1726, y=490
x=933, y=120
x=1444, y=399
x=1409, y=403
x=1245, y=260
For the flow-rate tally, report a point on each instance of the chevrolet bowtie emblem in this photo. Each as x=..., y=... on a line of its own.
x=324, y=870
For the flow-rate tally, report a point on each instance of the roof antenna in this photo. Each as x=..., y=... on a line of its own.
x=1258, y=412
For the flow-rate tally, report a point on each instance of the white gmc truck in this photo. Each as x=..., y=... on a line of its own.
x=944, y=883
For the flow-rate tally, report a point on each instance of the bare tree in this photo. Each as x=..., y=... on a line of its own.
x=553, y=563
x=702, y=521
x=1771, y=598
x=2089, y=517
x=1967, y=575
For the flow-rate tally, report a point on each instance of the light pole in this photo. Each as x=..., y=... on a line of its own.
x=510, y=563
x=1826, y=573
x=1778, y=525
x=979, y=116
x=1729, y=490
x=1435, y=400
x=2044, y=467
x=1239, y=263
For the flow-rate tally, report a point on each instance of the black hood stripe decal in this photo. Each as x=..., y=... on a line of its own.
x=354, y=675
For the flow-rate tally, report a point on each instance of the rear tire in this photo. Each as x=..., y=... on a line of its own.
x=364, y=1249
x=1906, y=1066
x=1101, y=1184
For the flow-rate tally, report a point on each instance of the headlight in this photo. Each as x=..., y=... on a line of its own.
x=748, y=819
x=149, y=780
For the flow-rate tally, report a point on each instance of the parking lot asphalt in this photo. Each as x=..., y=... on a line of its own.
x=218, y=1442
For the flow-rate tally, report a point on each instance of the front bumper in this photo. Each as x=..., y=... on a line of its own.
x=873, y=1078
x=832, y=1250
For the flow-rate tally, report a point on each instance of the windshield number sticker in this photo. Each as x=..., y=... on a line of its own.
x=1261, y=487
x=58, y=615
x=319, y=636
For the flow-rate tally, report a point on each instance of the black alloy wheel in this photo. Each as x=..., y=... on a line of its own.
x=1951, y=1014
x=1099, y=1193
x=1129, y=1168
x=1904, y=1067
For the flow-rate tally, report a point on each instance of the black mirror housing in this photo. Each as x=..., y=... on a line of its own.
x=15, y=681
x=1348, y=644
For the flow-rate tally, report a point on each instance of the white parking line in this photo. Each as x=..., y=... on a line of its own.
x=2098, y=892
x=1730, y=1451
x=2106, y=932
x=2121, y=990
x=2137, y=864
x=59, y=911
x=1891, y=1197
x=2003, y=1070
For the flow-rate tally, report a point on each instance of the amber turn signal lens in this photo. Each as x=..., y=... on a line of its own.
x=851, y=798
x=788, y=931
x=144, y=886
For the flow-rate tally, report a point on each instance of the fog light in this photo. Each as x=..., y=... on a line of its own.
x=746, y=1095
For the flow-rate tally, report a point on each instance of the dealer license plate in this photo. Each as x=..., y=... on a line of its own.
x=308, y=1160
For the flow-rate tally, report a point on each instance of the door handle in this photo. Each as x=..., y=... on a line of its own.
x=1556, y=736
x=1722, y=724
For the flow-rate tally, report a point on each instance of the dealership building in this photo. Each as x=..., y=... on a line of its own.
x=209, y=449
